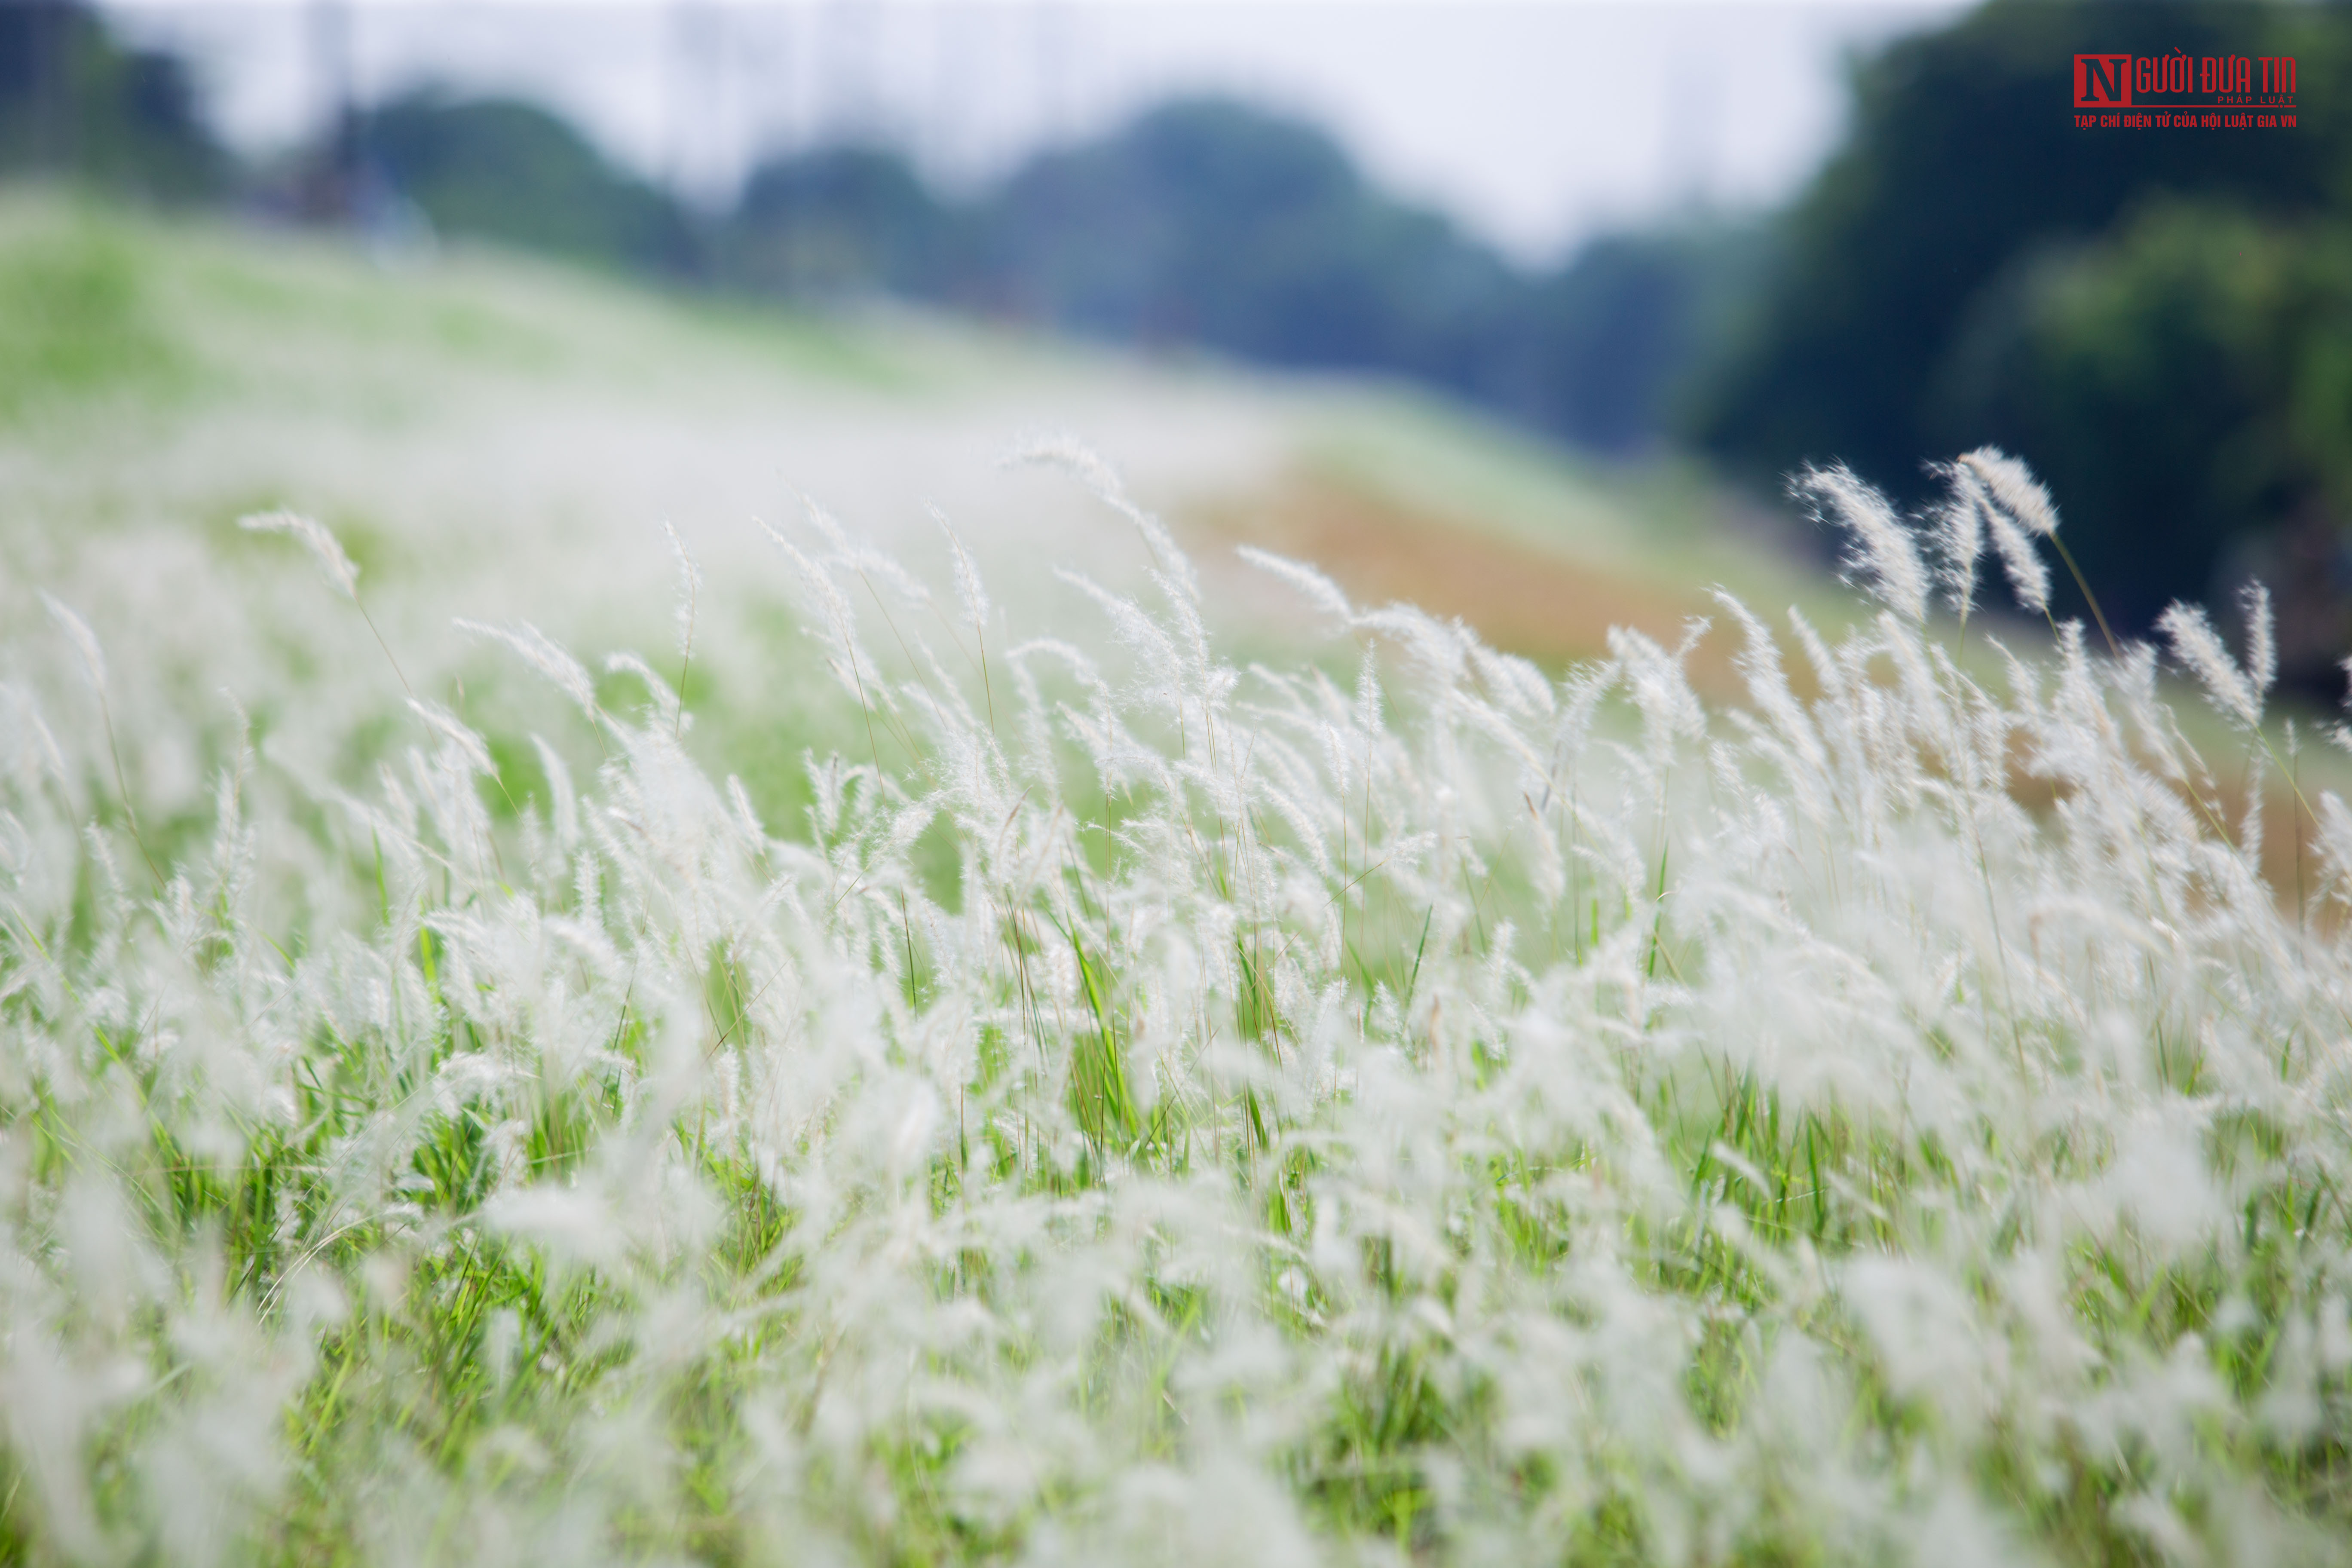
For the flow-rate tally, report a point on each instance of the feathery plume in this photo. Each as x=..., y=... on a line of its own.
x=85, y=641
x=460, y=737
x=970, y=592
x=2261, y=642
x=1074, y=457
x=689, y=596
x=690, y=589
x=2028, y=579
x=541, y=653
x=2199, y=649
x=2014, y=489
x=315, y=536
x=1060, y=449
x=1959, y=535
x=1312, y=585
x=1884, y=550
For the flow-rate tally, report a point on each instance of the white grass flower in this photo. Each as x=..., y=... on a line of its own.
x=970, y=593
x=1312, y=585
x=541, y=653
x=564, y=807
x=85, y=641
x=666, y=706
x=1768, y=686
x=1671, y=710
x=2199, y=649
x=2014, y=489
x=1060, y=449
x=2261, y=642
x=1959, y=535
x=318, y=539
x=461, y=739
x=1074, y=457
x=1883, y=553
x=690, y=589
x=2028, y=579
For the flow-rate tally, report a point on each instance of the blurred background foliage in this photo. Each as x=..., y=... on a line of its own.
x=514, y=174
x=2160, y=321
x=1214, y=224
x=74, y=103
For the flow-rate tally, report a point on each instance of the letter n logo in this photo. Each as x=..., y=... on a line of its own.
x=2103, y=81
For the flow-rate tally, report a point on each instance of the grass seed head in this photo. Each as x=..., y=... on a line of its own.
x=2200, y=650
x=1959, y=535
x=1883, y=553
x=2014, y=489
x=2029, y=578
x=84, y=640
x=323, y=546
x=2261, y=644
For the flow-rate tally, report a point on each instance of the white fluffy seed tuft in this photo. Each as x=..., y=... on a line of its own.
x=1883, y=553
x=2199, y=649
x=2014, y=489
x=318, y=539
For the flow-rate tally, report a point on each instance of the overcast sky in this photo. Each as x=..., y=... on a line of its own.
x=1532, y=122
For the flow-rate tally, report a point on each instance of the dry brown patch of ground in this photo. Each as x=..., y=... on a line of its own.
x=1546, y=604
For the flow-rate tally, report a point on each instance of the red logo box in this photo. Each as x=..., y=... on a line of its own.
x=2103, y=81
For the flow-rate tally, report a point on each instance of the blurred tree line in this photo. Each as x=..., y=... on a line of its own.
x=1208, y=222
x=75, y=104
x=2161, y=321
x=1203, y=223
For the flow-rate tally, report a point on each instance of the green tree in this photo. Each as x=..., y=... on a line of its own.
x=500, y=170
x=844, y=220
x=2188, y=379
x=1924, y=303
x=1604, y=350
x=1213, y=221
x=75, y=104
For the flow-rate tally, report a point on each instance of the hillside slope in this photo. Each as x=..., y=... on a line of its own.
x=476, y=408
x=499, y=438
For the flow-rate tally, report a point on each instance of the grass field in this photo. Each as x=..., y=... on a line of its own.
x=522, y=1042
